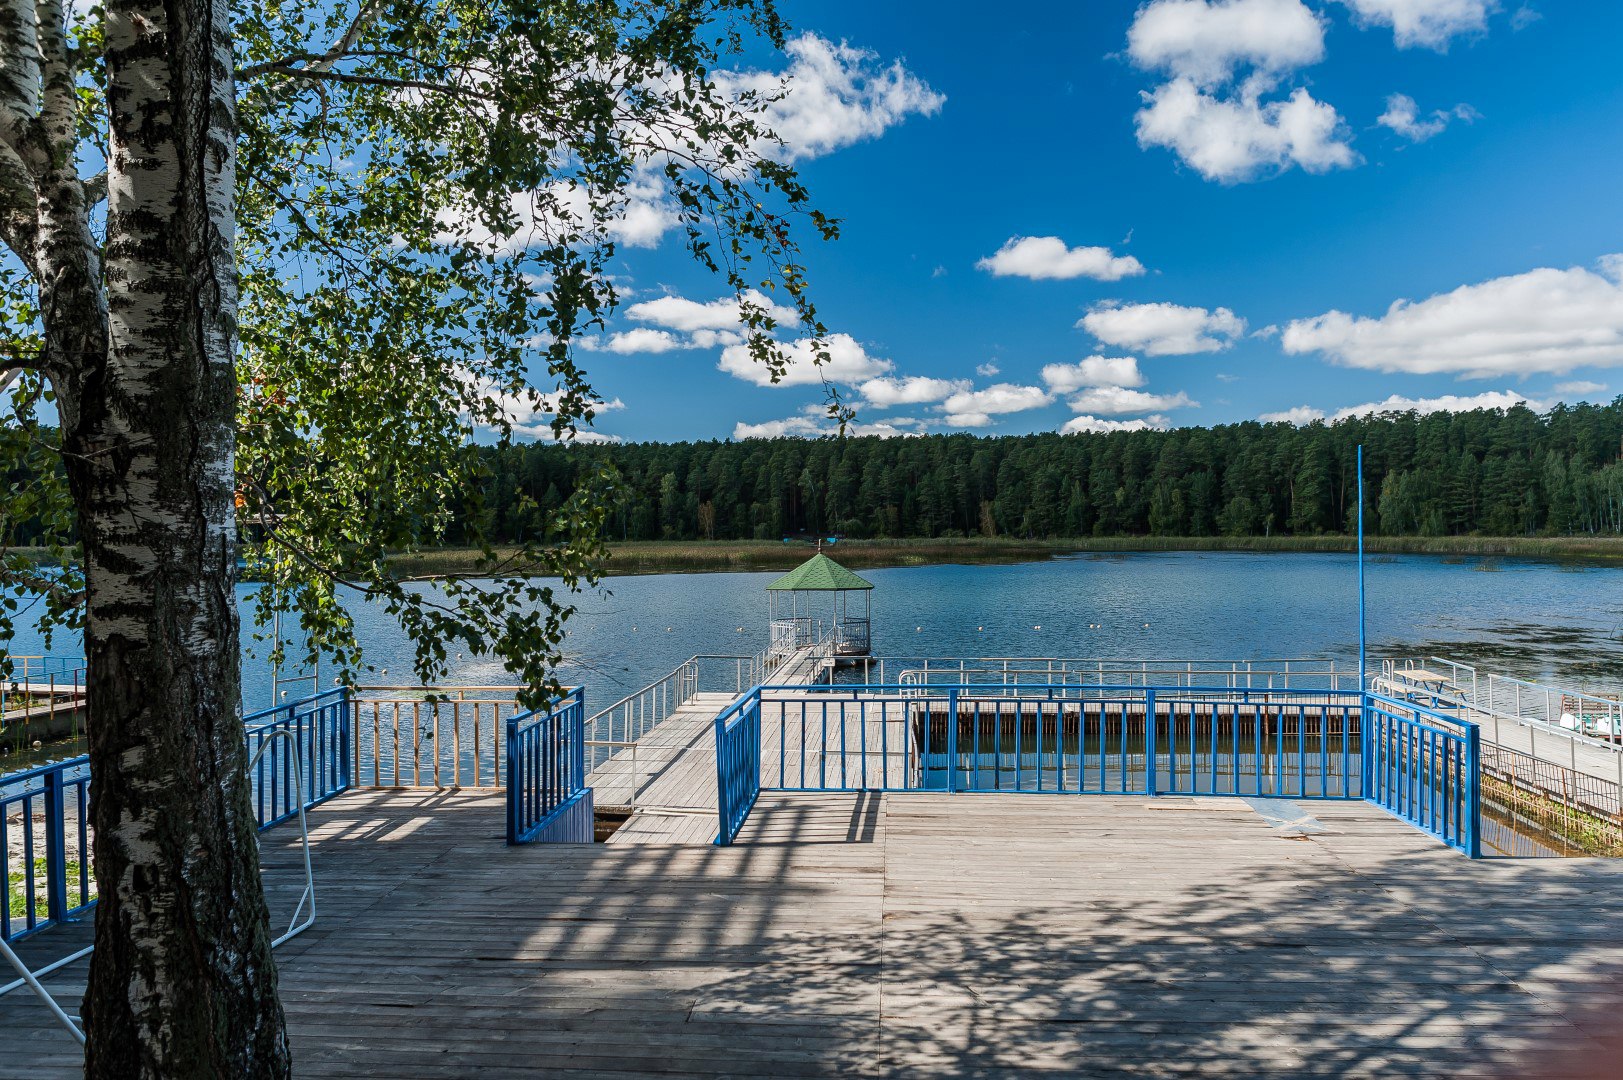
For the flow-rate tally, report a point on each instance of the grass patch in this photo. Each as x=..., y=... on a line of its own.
x=700, y=556
x=17, y=889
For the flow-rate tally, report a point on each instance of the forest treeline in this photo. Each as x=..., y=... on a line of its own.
x=1489, y=472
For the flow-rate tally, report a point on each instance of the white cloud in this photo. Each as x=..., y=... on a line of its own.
x=679, y=313
x=812, y=427
x=1401, y=116
x=1046, y=258
x=528, y=413
x=996, y=400
x=1118, y=401
x=1427, y=23
x=1205, y=41
x=1544, y=320
x=1301, y=415
x=848, y=362
x=1093, y=424
x=968, y=419
x=1211, y=117
x=1240, y=137
x=1093, y=371
x=1163, y=329
x=987, y=370
x=884, y=392
x=1580, y=388
x=1493, y=399
x=560, y=210
x=830, y=96
x=640, y=339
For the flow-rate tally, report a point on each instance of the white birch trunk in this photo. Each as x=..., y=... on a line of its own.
x=182, y=982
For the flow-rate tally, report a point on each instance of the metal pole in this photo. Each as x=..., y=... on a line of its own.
x=1362, y=641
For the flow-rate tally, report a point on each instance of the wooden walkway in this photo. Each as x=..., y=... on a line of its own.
x=671, y=779
x=912, y=935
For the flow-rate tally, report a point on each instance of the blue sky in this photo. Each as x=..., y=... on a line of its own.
x=1236, y=150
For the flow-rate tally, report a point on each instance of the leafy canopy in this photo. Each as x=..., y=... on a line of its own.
x=429, y=199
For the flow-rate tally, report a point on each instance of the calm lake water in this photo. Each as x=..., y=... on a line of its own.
x=1538, y=620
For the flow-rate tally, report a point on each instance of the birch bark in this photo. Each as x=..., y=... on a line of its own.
x=182, y=982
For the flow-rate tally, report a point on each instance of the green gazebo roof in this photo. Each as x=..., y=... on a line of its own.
x=819, y=574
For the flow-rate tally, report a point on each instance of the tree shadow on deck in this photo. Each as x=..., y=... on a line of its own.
x=938, y=935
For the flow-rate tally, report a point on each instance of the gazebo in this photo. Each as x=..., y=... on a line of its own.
x=814, y=596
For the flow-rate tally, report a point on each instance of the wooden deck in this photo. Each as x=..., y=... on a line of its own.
x=671, y=779
x=910, y=935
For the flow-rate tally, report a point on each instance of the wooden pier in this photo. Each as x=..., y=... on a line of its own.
x=924, y=934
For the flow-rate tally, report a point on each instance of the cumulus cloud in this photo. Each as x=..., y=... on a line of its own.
x=1239, y=136
x=809, y=426
x=1205, y=40
x=1300, y=416
x=848, y=362
x=681, y=314
x=882, y=393
x=680, y=323
x=975, y=408
x=1492, y=399
x=1093, y=371
x=1119, y=401
x=987, y=370
x=1543, y=321
x=1431, y=24
x=1213, y=119
x=1093, y=424
x=1046, y=258
x=1580, y=388
x=528, y=413
x=831, y=95
x=1402, y=116
x=639, y=339
x=1163, y=329
x=561, y=210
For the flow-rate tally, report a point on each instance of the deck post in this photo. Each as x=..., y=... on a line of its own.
x=1473, y=799
x=56, y=855
x=952, y=738
x=1149, y=741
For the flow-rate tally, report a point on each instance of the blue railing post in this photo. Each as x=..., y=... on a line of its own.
x=952, y=738
x=56, y=850
x=1473, y=790
x=1366, y=748
x=515, y=794
x=1149, y=742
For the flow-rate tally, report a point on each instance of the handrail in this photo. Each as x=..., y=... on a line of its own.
x=30, y=978
x=546, y=765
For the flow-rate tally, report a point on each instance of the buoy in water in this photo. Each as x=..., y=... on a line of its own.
x=1036, y=627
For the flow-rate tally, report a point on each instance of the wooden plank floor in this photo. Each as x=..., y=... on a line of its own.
x=914, y=935
x=671, y=779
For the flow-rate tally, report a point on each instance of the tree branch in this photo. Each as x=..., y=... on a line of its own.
x=320, y=62
x=378, y=80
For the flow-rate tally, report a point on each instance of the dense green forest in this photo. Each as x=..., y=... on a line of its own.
x=1489, y=472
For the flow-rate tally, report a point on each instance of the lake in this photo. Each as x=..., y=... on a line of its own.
x=1536, y=619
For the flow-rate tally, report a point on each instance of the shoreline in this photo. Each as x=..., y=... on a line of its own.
x=739, y=556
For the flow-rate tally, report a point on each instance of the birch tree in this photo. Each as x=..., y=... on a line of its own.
x=271, y=268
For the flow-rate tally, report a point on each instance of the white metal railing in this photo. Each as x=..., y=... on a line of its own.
x=615, y=729
x=1567, y=721
x=431, y=736
x=1259, y=674
x=41, y=686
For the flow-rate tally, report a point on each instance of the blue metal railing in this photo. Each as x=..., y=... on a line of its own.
x=1425, y=767
x=1129, y=740
x=546, y=764
x=46, y=856
x=320, y=726
x=738, y=763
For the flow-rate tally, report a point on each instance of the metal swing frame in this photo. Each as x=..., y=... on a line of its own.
x=30, y=978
